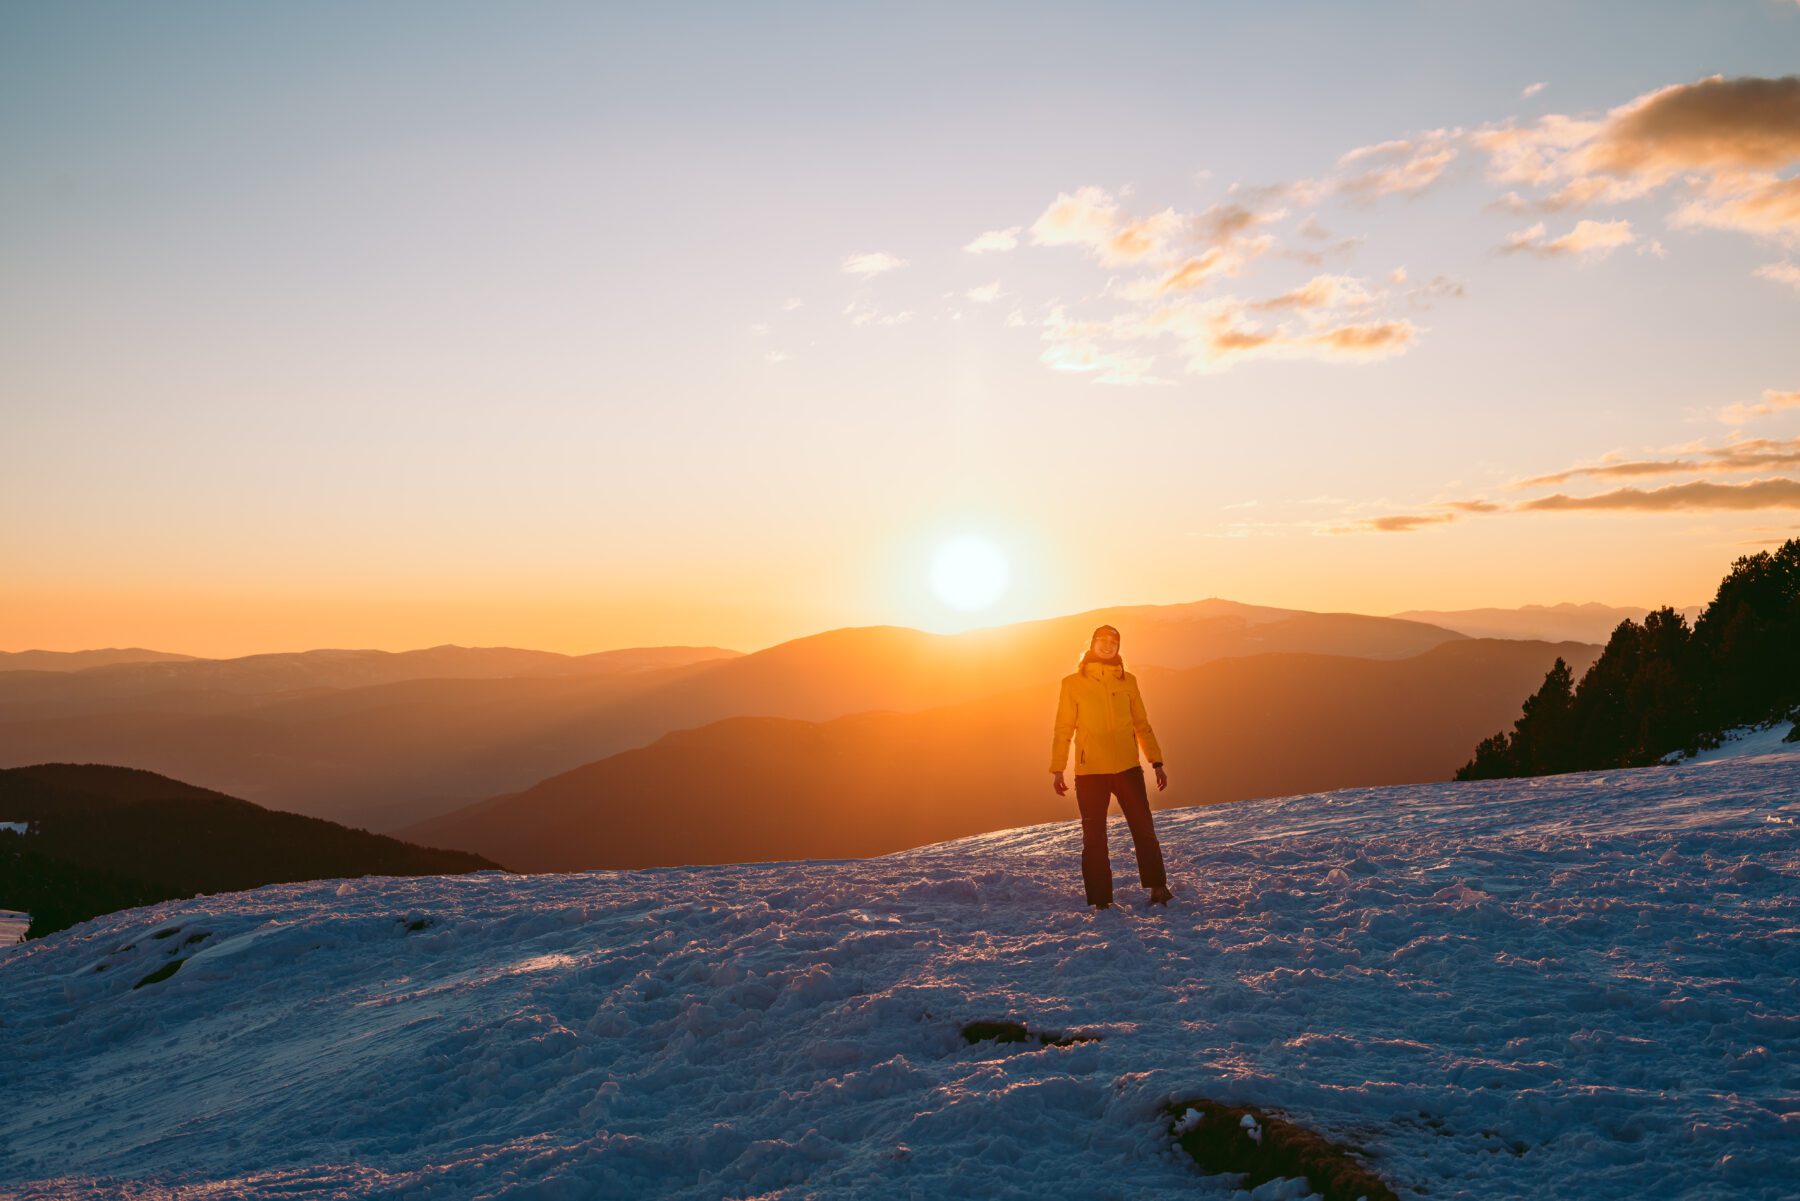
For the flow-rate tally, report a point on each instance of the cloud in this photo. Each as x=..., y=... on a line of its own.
x=1723, y=140
x=1440, y=287
x=861, y=312
x=1614, y=470
x=1589, y=239
x=1202, y=268
x=1091, y=218
x=872, y=264
x=985, y=294
x=1697, y=495
x=776, y=356
x=790, y=304
x=995, y=240
x=1781, y=273
x=1403, y=523
x=1757, y=204
x=1079, y=347
x=1222, y=224
x=1744, y=123
x=1218, y=335
x=1330, y=318
x=1772, y=402
x=1532, y=89
x=1401, y=166
x=1323, y=292
x=1366, y=341
x=1310, y=228
x=1750, y=454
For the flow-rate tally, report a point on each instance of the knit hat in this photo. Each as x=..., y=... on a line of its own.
x=1088, y=656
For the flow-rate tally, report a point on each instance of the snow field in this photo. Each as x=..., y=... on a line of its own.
x=1495, y=989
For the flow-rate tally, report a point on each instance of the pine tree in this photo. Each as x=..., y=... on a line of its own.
x=1544, y=735
x=1658, y=687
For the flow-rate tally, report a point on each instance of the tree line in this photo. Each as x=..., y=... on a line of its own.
x=1660, y=687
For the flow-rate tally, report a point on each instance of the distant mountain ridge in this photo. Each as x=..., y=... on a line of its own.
x=387, y=755
x=758, y=788
x=101, y=838
x=288, y=671
x=81, y=660
x=1565, y=622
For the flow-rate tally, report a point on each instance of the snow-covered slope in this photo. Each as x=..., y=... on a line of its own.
x=1575, y=986
x=1750, y=742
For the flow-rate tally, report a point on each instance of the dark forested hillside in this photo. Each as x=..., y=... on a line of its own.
x=1661, y=687
x=101, y=838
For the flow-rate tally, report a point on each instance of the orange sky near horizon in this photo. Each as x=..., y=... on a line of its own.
x=218, y=623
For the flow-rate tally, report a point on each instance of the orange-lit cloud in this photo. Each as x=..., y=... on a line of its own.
x=1215, y=261
x=1217, y=335
x=1616, y=470
x=1589, y=239
x=1749, y=454
x=1330, y=318
x=1722, y=139
x=1717, y=123
x=1781, y=273
x=1723, y=142
x=1323, y=292
x=1405, y=523
x=1401, y=166
x=1764, y=205
x=1772, y=402
x=1752, y=454
x=1696, y=495
x=1092, y=218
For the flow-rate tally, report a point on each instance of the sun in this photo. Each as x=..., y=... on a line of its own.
x=969, y=573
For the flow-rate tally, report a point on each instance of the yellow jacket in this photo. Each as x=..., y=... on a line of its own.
x=1102, y=709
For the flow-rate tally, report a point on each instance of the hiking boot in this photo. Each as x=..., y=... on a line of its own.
x=1161, y=896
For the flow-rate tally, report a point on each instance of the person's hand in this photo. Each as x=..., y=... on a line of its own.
x=1162, y=779
x=1061, y=785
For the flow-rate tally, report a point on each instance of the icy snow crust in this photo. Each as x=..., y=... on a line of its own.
x=1574, y=986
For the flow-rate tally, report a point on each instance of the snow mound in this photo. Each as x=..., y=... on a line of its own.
x=1491, y=989
x=1752, y=742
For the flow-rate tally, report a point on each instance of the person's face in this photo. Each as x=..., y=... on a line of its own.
x=1106, y=644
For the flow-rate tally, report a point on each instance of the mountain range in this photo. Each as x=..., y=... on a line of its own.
x=301, y=733
x=751, y=788
x=1258, y=698
x=1551, y=623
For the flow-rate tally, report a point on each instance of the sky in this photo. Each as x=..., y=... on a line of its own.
x=577, y=327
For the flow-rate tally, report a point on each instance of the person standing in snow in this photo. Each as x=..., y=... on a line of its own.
x=1102, y=709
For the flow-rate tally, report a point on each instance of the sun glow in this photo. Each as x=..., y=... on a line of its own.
x=969, y=573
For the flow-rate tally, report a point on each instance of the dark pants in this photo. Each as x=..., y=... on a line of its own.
x=1093, y=794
